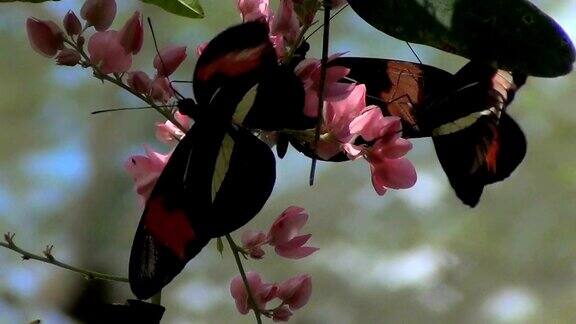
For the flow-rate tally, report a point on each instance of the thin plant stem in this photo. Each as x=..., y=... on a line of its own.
x=236, y=251
x=49, y=258
x=322, y=90
x=117, y=80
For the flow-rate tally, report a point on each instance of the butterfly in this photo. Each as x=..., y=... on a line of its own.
x=476, y=141
x=220, y=174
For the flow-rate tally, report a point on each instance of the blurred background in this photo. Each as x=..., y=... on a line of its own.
x=412, y=256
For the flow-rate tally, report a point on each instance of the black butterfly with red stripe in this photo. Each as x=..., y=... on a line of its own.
x=476, y=141
x=220, y=174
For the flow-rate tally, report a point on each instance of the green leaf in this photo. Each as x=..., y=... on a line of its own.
x=220, y=246
x=184, y=8
x=514, y=34
x=32, y=1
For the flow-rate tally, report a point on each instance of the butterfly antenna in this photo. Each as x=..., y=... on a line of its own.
x=324, y=62
x=160, y=57
x=414, y=52
x=123, y=109
x=320, y=27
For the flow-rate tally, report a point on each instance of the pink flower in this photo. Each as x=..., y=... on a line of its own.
x=72, y=24
x=285, y=23
x=295, y=292
x=283, y=234
x=99, y=13
x=145, y=170
x=45, y=36
x=252, y=242
x=281, y=314
x=200, y=48
x=139, y=81
x=309, y=71
x=389, y=169
x=168, y=133
x=338, y=114
x=107, y=53
x=262, y=292
x=169, y=60
x=372, y=124
x=388, y=166
x=68, y=57
x=251, y=10
x=160, y=90
x=132, y=34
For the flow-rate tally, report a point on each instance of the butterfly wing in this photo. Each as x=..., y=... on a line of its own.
x=488, y=151
x=220, y=175
x=476, y=142
x=216, y=180
x=400, y=88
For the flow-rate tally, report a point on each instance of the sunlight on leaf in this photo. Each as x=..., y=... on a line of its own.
x=184, y=8
x=513, y=33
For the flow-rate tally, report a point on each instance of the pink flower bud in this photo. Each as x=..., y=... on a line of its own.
x=68, y=57
x=132, y=34
x=169, y=60
x=262, y=292
x=107, y=53
x=72, y=24
x=168, y=133
x=200, y=48
x=286, y=21
x=251, y=10
x=283, y=234
x=252, y=242
x=139, y=81
x=145, y=170
x=44, y=36
x=160, y=90
x=295, y=292
x=99, y=13
x=281, y=314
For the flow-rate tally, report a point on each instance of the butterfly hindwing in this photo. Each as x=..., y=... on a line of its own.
x=486, y=152
x=216, y=180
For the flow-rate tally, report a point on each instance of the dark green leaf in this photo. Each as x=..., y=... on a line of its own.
x=514, y=34
x=184, y=8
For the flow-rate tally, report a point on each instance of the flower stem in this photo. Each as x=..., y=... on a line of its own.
x=236, y=251
x=117, y=80
x=322, y=90
x=49, y=258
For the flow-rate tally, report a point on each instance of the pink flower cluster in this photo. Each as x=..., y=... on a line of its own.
x=284, y=236
x=109, y=51
x=285, y=23
x=347, y=120
x=293, y=294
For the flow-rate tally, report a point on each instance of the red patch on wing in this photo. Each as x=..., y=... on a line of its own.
x=234, y=64
x=493, y=150
x=170, y=228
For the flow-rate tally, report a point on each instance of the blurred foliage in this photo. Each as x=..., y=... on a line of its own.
x=413, y=256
